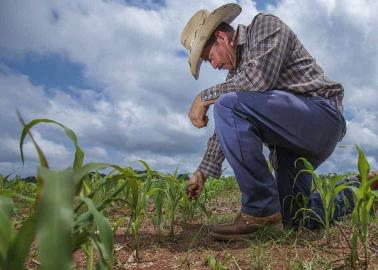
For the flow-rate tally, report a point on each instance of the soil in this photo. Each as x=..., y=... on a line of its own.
x=192, y=245
x=193, y=248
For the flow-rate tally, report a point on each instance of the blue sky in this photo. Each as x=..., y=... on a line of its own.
x=48, y=69
x=56, y=70
x=115, y=72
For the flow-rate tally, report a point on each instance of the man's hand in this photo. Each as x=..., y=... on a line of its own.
x=195, y=185
x=197, y=113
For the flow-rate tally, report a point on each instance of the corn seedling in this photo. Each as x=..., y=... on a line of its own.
x=14, y=245
x=158, y=198
x=189, y=208
x=138, y=191
x=212, y=188
x=3, y=180
x=174, y=192
x=55, y=223
x=363, y=201
x=138, y=206
x=214, y=264
x=328, y=190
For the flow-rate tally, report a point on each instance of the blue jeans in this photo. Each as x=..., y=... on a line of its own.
x=297, y=126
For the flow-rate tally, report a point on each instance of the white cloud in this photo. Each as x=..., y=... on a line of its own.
x=340, y=35
x=146, y=89
x=362, y=129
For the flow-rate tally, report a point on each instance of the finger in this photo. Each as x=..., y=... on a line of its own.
x=190, y=188
x=194, y=122
x=192, y=196
x=193, y=191
x=206, y=120
x=189, y=191
x=199, y=123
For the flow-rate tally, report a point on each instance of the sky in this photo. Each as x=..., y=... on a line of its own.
x=116, y=73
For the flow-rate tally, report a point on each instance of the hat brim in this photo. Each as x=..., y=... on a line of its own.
x=226, y=13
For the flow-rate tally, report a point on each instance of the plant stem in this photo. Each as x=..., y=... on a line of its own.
x=172, y=233
x=89, y=256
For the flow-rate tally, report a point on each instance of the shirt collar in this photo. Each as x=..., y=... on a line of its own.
x=241, y=31
x=242, y=34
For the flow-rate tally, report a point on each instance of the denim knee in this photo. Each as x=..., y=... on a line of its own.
x=227, y=100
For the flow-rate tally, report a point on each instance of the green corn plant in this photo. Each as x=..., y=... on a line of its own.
x=138, y=191
x=174, y=192
x=136, y=219
x=3, y=186
x=54, y=215
x=212, y=188
x=124, y=180
x=189, y=208
x=3, y=179
x=158, y=198
x=363, y=202
x=215, y=264
x=18, y=189
x=14, y=245
x=328, y=190
x=7, y=228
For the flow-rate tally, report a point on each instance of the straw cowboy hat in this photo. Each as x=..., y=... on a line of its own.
x=199, y=29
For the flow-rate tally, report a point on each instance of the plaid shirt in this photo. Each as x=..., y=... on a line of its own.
x=268, y=56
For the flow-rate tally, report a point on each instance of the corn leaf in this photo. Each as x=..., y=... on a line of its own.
x=148, y=169
x=79, y=154
x=363, y=165
x=20, y=247
x=105, y=233
x=55, y=218
x=6, y=228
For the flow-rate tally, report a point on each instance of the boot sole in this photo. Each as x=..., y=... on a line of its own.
x=277, y=228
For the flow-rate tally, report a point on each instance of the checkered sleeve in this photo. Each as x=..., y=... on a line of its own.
x=268, y=43
x=211, y=164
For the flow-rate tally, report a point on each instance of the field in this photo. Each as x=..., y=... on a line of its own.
x=104, y=216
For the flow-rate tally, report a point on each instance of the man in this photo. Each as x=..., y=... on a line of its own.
x=276, y=94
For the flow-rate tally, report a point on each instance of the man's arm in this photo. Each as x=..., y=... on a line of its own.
x=268, y=43
x=211, y=164
x=197, y=113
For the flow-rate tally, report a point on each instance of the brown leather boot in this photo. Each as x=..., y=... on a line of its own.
x=373, y=174
x=244, y=225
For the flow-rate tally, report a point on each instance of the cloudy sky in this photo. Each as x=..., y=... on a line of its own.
x=115, y=72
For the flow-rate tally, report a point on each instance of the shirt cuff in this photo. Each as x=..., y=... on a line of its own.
x=209, y=94
x=209, y=168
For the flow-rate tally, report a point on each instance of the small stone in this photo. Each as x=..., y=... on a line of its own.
x=132, y=258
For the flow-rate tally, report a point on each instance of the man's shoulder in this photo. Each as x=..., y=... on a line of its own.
x=264, y=23
x=264, y=17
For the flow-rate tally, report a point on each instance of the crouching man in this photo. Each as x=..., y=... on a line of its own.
x=275, y=94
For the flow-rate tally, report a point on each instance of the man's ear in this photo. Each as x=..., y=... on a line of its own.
x=221, y=36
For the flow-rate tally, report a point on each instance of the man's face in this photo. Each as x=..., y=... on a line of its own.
x=221, y=55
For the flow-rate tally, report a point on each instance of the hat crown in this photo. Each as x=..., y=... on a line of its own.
x=191, y=28
x=199, y=29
